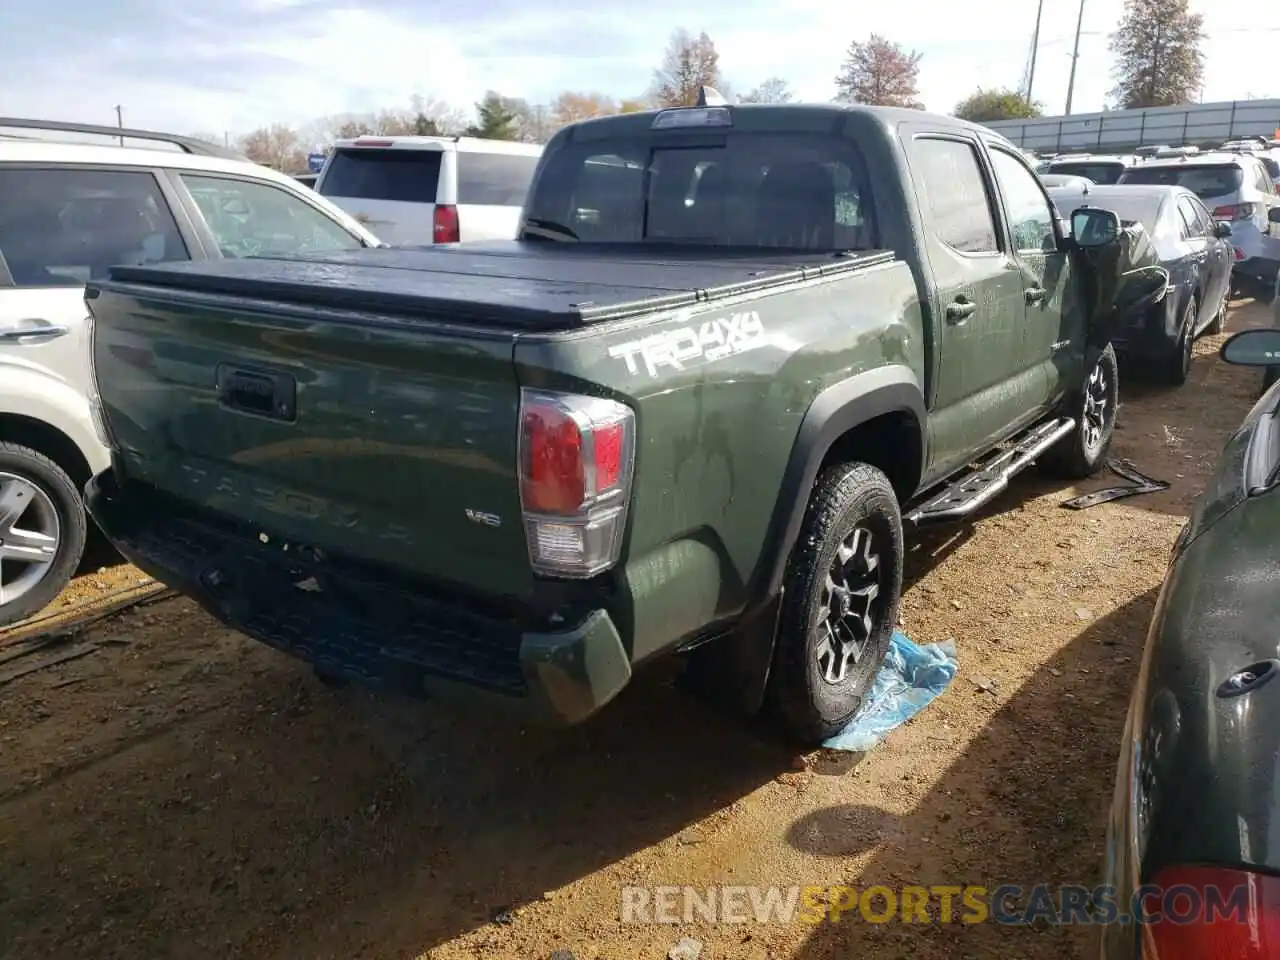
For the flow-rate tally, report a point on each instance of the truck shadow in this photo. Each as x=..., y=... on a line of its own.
x=993, y=817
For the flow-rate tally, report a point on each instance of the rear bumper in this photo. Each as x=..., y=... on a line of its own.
x=1152, y=334
x=355, y=623
x=1258, y=268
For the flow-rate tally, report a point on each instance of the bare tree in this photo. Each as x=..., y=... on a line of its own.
x=571, y=106
x=772, y=90
x=635, y=104
x=689, y=64
x=278, y=146
x=1159, y=62
x=881, y=73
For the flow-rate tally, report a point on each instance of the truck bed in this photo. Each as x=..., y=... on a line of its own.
x=505, y=284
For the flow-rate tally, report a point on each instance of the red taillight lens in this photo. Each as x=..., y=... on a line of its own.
x=445, y=224
x=554, y=479
x=1213, y=912
x=1239, y=254
x=576, y=456
x=1234, y=211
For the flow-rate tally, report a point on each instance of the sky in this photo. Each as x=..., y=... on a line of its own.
x=229, y=66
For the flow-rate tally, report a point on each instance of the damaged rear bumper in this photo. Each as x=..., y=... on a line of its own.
x=361, y=624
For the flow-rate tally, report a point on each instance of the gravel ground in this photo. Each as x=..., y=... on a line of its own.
x=183, y=792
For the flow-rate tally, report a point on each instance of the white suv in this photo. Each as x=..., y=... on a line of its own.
x=424, y=190
x=68, y=211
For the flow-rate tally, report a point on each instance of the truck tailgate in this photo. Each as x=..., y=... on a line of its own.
x=393, y=443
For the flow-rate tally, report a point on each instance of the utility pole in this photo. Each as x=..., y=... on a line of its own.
x=120, y=121
x=1075, y=57
x=1035, y=47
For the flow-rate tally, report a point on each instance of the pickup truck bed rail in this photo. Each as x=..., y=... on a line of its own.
x=519, y=287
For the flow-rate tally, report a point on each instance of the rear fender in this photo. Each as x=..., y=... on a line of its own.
x=835, y=411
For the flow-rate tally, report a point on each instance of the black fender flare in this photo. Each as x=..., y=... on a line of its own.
x=835, y=411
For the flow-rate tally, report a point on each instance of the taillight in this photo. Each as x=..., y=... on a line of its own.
x=1235, y=211
x=1212, y=912
x=1239, y=254
x=90, y=374
x=576, y=456
x=445, y=224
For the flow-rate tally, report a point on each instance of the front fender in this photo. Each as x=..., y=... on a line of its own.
x=33, y=395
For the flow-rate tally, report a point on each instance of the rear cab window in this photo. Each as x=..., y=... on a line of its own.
x=409, y=175
x=494, y=179
x=742, y=186
x=66, y=226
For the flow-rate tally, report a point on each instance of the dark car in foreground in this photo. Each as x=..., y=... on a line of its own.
x=1194, y=828
x=1195, y=250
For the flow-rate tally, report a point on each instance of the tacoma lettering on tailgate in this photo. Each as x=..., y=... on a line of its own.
x=691, y=345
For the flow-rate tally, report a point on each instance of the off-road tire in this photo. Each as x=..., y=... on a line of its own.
x=39, y=470
x=1175, y=366
x=846, y=497
x=1072, y=457
x=1219, y=322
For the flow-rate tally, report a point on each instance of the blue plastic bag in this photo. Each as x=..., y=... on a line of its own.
x=912, y=676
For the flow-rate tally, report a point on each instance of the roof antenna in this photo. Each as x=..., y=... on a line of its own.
x=710, y=97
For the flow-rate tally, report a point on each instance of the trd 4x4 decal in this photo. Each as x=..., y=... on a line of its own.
x=692, y=345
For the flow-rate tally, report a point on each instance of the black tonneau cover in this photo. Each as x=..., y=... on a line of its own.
x=525, y=286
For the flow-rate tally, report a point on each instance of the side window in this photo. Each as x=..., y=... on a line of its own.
x=1030, y=213
x=494, y=179
x=250, y=219
x=1195, y=226
x=62, y=227
x=1187, y=220
x=954, y=194
x=1263, y=178
x=1203, y=218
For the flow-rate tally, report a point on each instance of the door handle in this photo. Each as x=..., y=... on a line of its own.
x=960, y=310
x=33, y=334
x=1035, y=294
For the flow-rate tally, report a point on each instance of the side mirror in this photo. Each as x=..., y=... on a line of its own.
x=1221, y=230
x=1259, y=347
x=1093, y=227
x=1274, y=214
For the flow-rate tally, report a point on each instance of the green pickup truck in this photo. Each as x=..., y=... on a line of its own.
x=734, y=350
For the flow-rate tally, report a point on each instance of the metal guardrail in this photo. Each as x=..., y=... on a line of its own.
x=191, y=145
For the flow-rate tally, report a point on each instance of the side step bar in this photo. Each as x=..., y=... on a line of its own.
x=971, y=491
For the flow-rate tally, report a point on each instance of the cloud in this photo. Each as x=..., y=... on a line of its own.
x=233, y=65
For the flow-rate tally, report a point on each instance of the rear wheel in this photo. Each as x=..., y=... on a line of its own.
x=840, y=603
x=1175, y=366
x=1219, y=321
x=42, y=531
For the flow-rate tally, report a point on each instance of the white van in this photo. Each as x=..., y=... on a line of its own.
x=421, y=190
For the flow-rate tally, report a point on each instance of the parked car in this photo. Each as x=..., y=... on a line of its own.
x=1098, y=169
x=307, y=179
x=1193, y=247
x=1195, y=805
x=695, y=410
x=68, y=211
x=1237, y=190
x=424, y=190
x=1066, y=180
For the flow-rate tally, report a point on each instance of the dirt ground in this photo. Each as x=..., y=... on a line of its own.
x=183, y=792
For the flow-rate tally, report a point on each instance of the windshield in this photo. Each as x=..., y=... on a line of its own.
x=1101, y=173
x=791, y=191
x=1205, y=181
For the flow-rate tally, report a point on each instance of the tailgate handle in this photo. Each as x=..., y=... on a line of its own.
x=262, y=393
